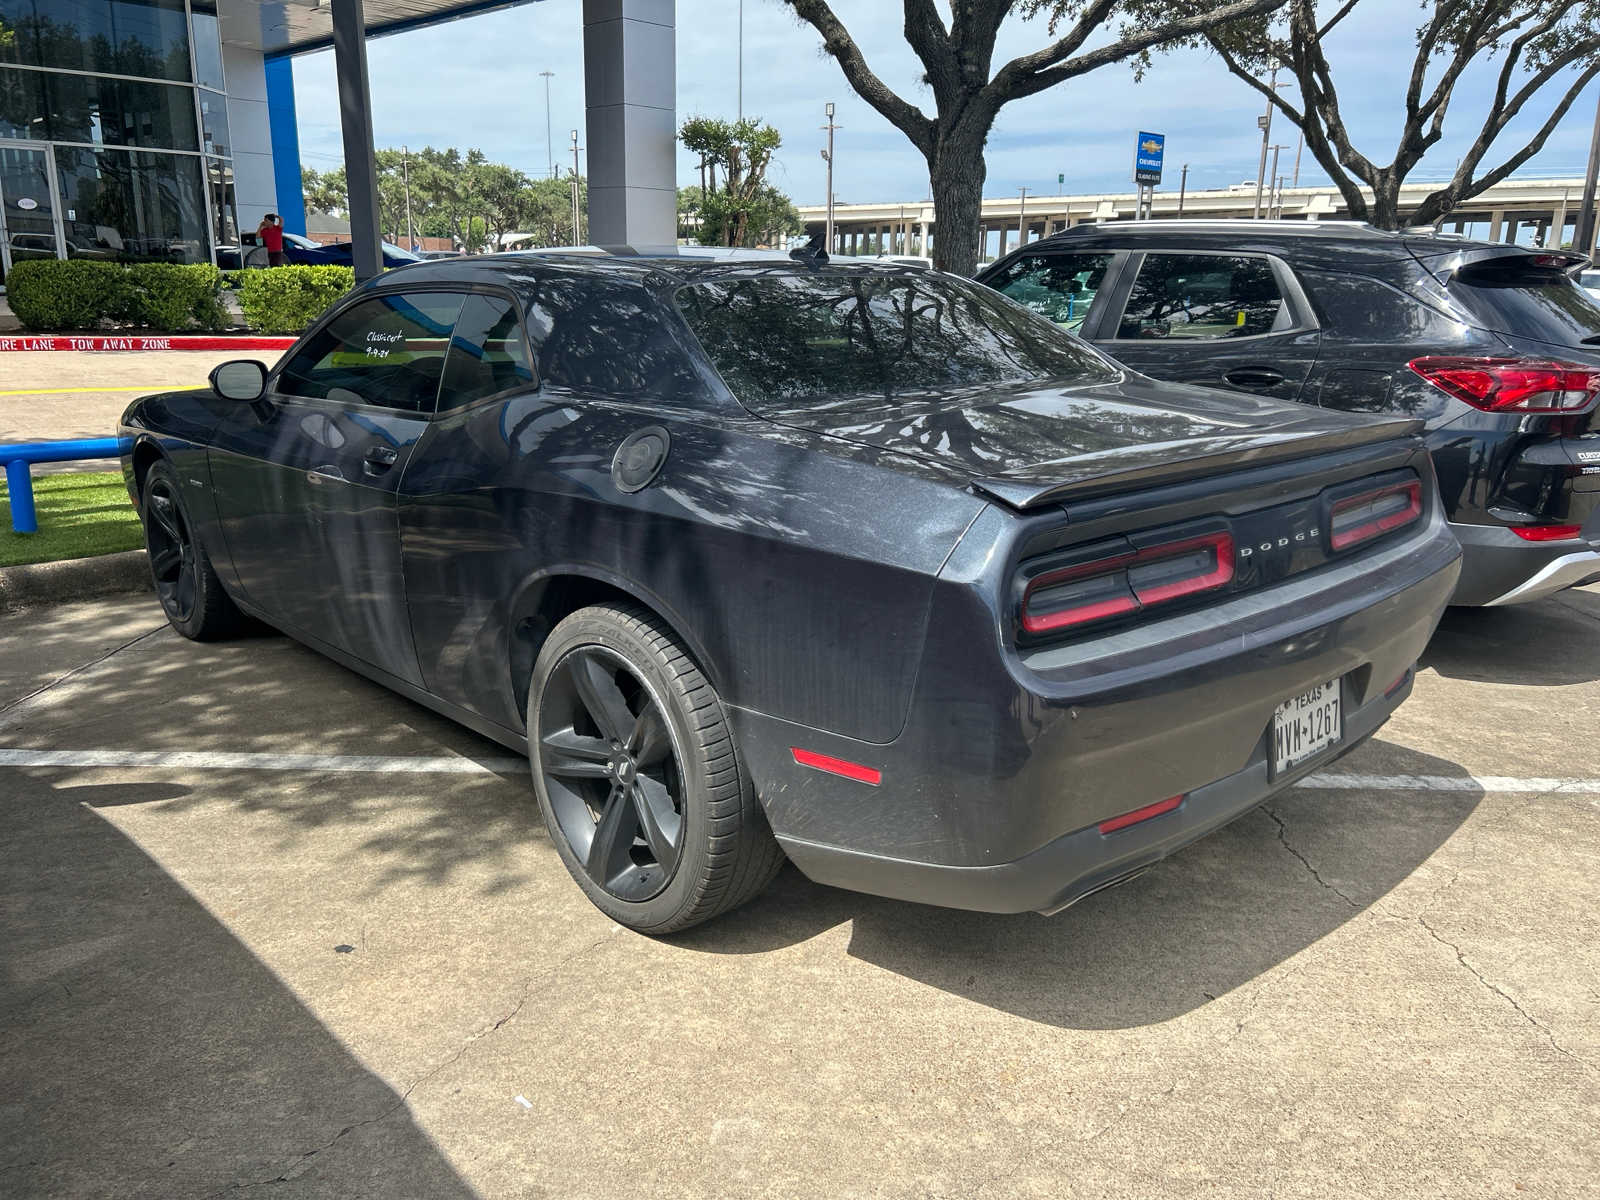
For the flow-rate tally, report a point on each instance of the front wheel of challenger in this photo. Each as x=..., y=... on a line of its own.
x=638, y=777
x=191, y=595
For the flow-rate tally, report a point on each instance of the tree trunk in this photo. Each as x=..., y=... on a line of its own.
x=1385, y=201
x=956, y=173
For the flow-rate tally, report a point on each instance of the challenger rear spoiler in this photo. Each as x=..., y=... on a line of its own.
x=1158, y=463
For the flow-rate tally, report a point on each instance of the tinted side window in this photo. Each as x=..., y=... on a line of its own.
x=608, y=339
x=1366, y=309
x=488, y=353
x=387, y=351
x=1203, y=296
x=1060, y=287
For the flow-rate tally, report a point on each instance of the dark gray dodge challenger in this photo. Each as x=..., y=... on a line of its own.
x=864, y=565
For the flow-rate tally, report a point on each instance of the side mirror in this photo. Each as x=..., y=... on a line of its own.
x=244, y=379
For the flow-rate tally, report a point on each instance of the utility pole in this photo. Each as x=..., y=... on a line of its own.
x=1274, y=180
x=405, y=175
x=827, y=157
x=577, y=221
x=1265, y=123
x=1022, y=218
x=1583, y=239
x=549, y=146
x=1299, y=145
x=1183, y=186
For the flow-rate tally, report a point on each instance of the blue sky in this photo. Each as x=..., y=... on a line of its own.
x=476, y=82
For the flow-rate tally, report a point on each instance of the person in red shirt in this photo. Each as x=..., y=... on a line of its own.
x=270, y=235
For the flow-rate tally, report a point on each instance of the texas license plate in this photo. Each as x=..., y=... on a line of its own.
x=1305, y=725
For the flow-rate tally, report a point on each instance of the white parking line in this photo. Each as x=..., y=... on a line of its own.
x=402, y=764
x=223, y=760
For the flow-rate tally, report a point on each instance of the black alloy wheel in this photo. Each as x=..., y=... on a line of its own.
x=612, y=773
x=190, y=593
x=637, y=775
x=172, y=551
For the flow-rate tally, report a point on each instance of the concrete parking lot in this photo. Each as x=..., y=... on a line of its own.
x=47, y=395
x=227, y=964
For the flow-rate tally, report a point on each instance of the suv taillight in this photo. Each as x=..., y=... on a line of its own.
x=1126, y=582
x=1512, y=385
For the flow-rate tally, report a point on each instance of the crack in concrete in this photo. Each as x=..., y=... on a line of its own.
x=295, y=1168
x=20, y=701
x=1304, y=861
x=1504, y=995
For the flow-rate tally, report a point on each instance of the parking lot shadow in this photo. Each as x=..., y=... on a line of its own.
x=1551, y=641
x=1212, y=917
x=145, y=1052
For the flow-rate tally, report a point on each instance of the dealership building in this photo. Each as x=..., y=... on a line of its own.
x=157, y=130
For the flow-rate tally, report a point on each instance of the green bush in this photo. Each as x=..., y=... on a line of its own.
x=287, y=299
x=61, y=295
x=167, y=296
x=47, y=294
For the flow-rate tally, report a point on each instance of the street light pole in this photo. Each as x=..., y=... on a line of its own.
x=741, y=60
x=827, y=157
x=1299, y=145
x=1022, y=218
x=1265, y=122
x=405, y=175
x=1274, y=182
x=549, y=146
x=577, y=220
x=1183, y=186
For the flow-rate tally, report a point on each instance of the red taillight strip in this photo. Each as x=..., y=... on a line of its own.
x=1140, y=814
x=836, y=766
x=1220, y=574
x=1095, y=611
x=1344, y=539
x=1546, y=533
x=1112, y=606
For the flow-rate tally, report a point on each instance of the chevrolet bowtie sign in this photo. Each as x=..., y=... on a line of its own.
x=1147, y=158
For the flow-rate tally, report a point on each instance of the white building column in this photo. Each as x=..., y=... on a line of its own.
x=630, y=90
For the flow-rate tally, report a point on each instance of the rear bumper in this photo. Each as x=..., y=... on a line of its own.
x=992, y=795
x=1064, y=871
x=1498, y=567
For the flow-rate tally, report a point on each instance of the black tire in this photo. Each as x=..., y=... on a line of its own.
x=583, y=764
x=185, y=582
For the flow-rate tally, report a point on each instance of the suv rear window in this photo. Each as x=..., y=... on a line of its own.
x=1528, y=302
x=780, y=338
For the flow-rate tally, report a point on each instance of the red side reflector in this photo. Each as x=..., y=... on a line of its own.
x=1546, y=533
x=836, y=766
x=1397, y=684
x=1140, y=814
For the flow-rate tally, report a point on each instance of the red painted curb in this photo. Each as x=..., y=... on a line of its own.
x=176, y=341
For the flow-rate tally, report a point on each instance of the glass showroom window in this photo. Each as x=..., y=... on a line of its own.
x=224, y=209
x=214, y=123
x=207, y=46
x=132, y=205
x=147, y=38
x=96, y=110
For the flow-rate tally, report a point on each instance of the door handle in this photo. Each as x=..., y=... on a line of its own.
x=379, y=459
x=1253, y=377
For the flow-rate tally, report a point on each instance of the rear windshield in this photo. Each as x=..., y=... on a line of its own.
x=781, y=339
x=1545, y=305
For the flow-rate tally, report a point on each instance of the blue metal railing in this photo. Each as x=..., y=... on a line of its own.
x=19, y=457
